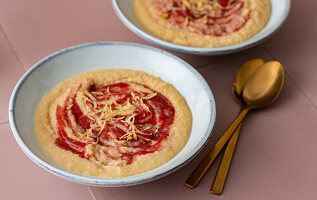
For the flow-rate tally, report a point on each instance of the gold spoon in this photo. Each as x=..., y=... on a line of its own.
x=248, y=104
x=259, y=90
x=242, y=76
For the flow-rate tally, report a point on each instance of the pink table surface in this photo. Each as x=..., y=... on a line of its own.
x=276, y=153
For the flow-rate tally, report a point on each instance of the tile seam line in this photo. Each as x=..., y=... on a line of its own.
x=2, y=123
x=91, y=193
x=292, y=79
x=198, y=67
x=11, y=47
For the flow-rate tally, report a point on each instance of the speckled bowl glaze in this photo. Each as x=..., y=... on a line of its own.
x=47, y=73
x=280, y=10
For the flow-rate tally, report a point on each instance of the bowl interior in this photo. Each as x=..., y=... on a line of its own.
x=280, y=9
x=46, y=74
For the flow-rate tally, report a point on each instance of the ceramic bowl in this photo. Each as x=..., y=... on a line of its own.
x=46, y=74
x=280, y=10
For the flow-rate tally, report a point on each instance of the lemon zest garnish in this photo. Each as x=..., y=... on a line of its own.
x=131, y=134
x=165, y=15
x=155, y=131
x=150, y=96
x=133, y=95
x=105, y=112
x=94, y=127
x=144, y=106
x=186, y=3
x=147, y=139
x=186, y=21
x=200, y=5
x=120, y=118
x=139, y=101
x=147, y=127
x=121, y=142
x=142, y=133
x=96, y=142
x=90, y=117
x=97, y=93
x=94, y=101
x=101, y=129
x=69, y=106
x=135, y=136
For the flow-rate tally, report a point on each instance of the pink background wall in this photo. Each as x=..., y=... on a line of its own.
x=276, y=153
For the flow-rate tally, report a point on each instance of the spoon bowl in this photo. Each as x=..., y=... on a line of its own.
x=264, y=86
x=243, y=75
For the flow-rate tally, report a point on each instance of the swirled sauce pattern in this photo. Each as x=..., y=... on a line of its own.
x=113, y=124
x=206, y=17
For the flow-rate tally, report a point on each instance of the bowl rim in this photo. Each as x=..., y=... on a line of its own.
x=110, y=182
x=201, y=50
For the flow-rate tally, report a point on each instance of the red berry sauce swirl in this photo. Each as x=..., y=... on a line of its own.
x=113, y=124
x=206, y=17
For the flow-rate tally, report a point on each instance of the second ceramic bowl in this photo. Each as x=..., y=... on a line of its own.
x=280, y=10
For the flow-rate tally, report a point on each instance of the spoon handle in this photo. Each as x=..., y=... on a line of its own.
x=201, y=169
x=220, y=179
